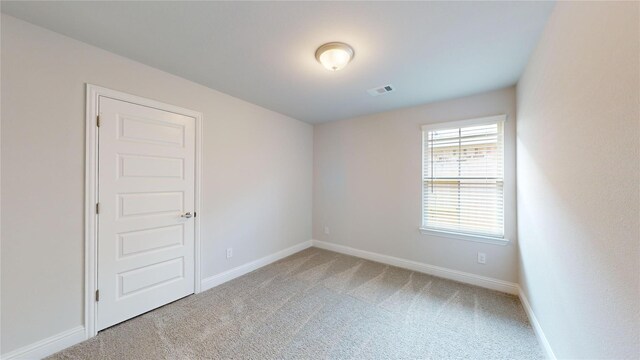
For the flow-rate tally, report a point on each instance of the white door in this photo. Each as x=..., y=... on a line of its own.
x=146, y=172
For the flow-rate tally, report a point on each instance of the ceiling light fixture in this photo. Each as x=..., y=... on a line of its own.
x=334, y=55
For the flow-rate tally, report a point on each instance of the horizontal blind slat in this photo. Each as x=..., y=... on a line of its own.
x=463, y=176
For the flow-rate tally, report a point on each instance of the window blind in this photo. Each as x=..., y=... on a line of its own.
x=463, y=179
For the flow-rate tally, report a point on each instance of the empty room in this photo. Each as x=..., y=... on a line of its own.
x=319, y=180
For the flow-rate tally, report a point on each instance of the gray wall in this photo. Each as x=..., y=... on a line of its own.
x=257, y=168
x=578, y=180
x=367, y=185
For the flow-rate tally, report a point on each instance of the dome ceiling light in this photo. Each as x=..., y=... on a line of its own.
x=334, y=55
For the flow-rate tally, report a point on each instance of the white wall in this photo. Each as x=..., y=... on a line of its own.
x=578, y=180
x=367, y=185
x=257, y=174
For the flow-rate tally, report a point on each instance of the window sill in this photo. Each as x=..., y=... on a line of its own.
x=466, y=237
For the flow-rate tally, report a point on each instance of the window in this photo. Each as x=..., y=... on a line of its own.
x=463, y=177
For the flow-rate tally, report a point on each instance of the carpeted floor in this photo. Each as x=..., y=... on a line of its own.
x=318, y=304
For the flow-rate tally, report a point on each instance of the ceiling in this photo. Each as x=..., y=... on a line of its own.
x=263, y=52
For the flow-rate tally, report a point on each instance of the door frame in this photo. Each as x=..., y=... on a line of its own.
x=93, y=94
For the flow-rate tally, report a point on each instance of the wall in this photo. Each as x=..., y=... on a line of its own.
x=367, y=185
x=256, y=174
x=578, y=180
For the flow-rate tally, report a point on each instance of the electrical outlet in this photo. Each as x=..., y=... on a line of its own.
x=482, y=258
x=326, y=230
x=229, y=252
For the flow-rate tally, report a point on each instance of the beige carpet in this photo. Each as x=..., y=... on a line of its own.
x=318, y=304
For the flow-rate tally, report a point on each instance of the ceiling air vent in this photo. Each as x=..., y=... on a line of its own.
x=381, y=90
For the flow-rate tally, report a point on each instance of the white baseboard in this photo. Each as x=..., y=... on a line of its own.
x=48, y=346
x=464, y=277
x=542, y=338
x=221, y=278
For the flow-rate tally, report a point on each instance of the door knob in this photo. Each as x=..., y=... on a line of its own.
x=187, y=215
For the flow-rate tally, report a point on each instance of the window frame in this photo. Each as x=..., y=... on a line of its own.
x=504, y=240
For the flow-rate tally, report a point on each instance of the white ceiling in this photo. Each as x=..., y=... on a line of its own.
x=263, y=52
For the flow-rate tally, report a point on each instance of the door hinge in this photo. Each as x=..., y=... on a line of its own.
x=98, y=208
x=98, y=120
x=97, y=295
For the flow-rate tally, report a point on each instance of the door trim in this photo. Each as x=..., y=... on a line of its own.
x=91, y=187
